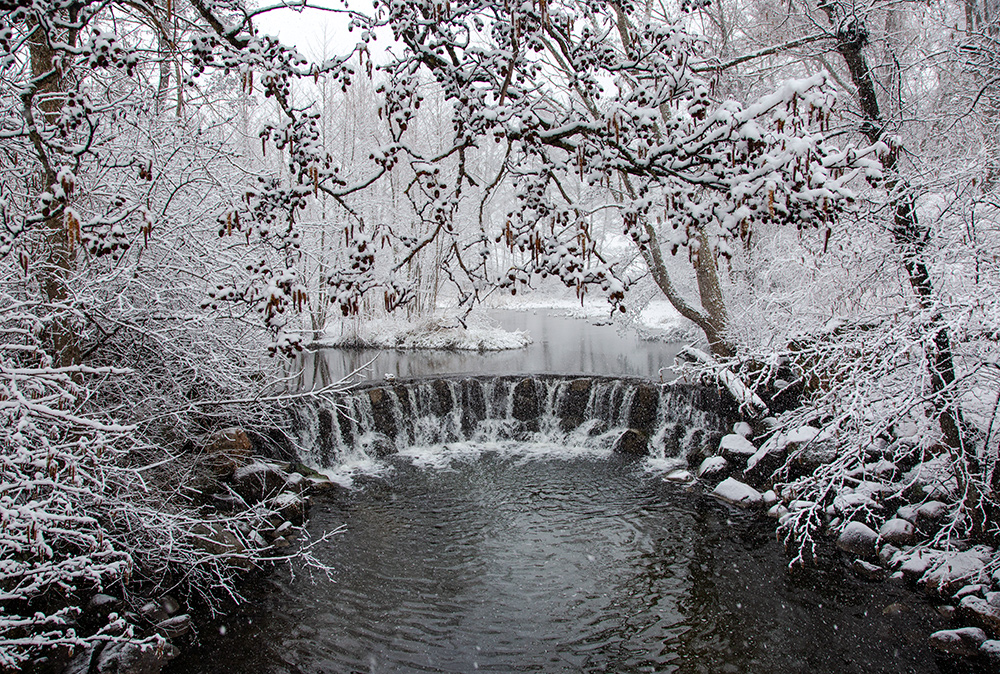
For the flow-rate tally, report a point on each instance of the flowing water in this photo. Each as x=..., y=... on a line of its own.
x=554, y=559
x=504, y=524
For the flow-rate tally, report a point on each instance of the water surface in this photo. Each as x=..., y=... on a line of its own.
x=561, y=345
x=497, y=559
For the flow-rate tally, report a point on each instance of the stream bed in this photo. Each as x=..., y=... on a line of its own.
x=508, y=557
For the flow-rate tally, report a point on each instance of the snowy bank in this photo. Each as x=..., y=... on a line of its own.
x=430, y=333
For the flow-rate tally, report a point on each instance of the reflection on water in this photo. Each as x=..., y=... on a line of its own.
x=576, y=564
x=561, y=345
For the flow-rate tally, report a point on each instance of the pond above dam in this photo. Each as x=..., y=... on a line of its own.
x=560, y=345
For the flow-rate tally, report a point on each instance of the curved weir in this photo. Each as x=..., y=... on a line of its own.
x=502, y=529
x=631, y=416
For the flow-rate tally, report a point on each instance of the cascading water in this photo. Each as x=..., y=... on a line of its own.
x=630, y=416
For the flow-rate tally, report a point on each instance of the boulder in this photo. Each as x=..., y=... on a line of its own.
x=291, y=506
x=979, y=611
x=227, y=450
x=868, y=570
x=125, y=657
x=258, y=481
x=964, y=642
x=737, y=493
x=743, y=428
x=857, y=539
x=98, y=609
x=736, y=448
x=990, y=650
x=713, y=466
x=932, y=511
x=679, y=475
x=632, y=442
x=171, y=628
x=953, y=570
x=217, y=540
x=573, y=404
x=898, y=532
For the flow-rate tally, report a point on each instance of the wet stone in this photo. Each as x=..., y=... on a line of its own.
x=964, y=642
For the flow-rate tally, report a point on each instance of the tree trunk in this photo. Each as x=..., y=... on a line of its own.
x=60, y=251
x=910, y=236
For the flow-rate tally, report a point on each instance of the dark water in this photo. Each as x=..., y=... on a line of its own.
x=557, y=563
x=561, y=345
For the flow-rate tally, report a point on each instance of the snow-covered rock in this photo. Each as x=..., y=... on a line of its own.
x=858, y=539
x=914, y=563
x=679, y=476
x=964, y=641
x=955, y=569
x=897, y=531
x=935, y=476
x=908, y=513
x=737, y=493
x=777, y=511
x=291, y=506
x=770, y=498
x=847, y=502
x=868, y=570
x=981, y=612
x=990, y=650
x=743, y=428
x=932, y=511
x=712, y=466
x=258, y=481
x=736, y=448
x=887, y=555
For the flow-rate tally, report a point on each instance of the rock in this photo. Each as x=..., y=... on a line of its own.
x=887, y=554
x=857, y=539
x=227, y=450
x=770, y=498
x=946, y=611
x=908, y=513
x=868, y=570
x=98, y=609
x=743, y=428
x=153, y=612
x=898, y=532
x=932, y=511
x=217, y=540
x=525, y=400
x=969, y=590
x=981, y=612
x=955, y=569
x=777, y=511
x=280, y=542
x=712, y=466
x=291, y=506
x=964, y=642
x=990, y=650
x=297, y=483
x=632, y=442
x=80, y=662
x=169, y=604
x=258, y=481
x=913, y=564
x=846, y=502
x=642, y=411
x=172, y=628
x=132, y=658
x=736, y=448
x=679, y=476
x=737, y=493
x=762, y=464
x=810, y=448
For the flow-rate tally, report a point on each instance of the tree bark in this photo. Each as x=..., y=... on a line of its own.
x=910, y=236
x=49, y=85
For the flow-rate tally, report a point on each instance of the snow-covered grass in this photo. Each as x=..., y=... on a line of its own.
x=657, y=319
x=439, y=332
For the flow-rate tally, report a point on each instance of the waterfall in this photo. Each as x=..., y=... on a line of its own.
x=632, y=416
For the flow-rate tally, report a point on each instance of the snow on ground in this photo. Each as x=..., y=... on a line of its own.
x=438, y=332
x=658, y=315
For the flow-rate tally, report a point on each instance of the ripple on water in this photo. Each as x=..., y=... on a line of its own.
x=475, y=559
